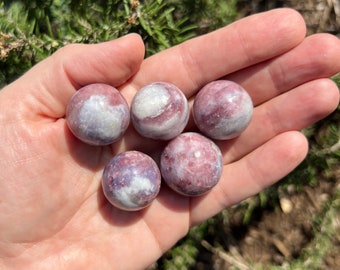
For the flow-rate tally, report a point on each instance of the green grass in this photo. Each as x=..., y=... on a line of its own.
x=32, y=30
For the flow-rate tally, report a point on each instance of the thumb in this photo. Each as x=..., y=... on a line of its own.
x=45, y=89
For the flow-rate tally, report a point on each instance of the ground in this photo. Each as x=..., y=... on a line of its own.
x=278, y=236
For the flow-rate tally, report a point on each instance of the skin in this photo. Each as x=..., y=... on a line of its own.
x=52, y=211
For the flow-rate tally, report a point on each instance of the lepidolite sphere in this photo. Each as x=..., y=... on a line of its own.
x=222, y=109
x=191, y=164
x=131, y=180
x=159, y=111
x=98, y=114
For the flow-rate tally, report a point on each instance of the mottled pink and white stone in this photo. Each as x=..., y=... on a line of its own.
x=222, y=110
x=131, y=180
x=191, y=164
x=159, y=111
x=98, y=114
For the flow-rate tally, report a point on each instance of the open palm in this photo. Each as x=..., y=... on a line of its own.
x=52, y=211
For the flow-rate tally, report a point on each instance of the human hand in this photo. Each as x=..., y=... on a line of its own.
x=53, y=214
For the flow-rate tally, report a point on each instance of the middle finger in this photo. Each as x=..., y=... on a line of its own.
x=310, y=60
x=293, y=110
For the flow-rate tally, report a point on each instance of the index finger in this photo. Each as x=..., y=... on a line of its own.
x=214, y=55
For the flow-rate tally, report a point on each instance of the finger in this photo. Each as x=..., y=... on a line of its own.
x=48, y=86
x=239, y=45
x=316, y=57
x=293, y=110
x=250, y=175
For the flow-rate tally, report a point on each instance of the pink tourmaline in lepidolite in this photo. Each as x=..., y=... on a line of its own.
x=98, y=114
x=191, y=164
x=131, y=180
x=222, y=110
x=159, y=111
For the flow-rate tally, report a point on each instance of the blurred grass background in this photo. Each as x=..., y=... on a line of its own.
x=32, y=30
